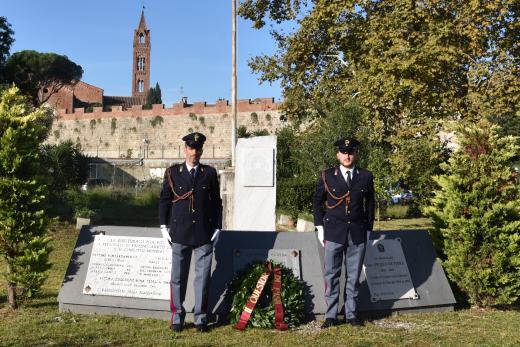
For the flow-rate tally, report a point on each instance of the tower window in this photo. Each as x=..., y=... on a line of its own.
x=140, y=63
x=141, y=38
x=140, y=86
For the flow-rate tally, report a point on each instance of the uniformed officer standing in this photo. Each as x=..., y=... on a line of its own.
x=343, y=206
x=190, y=213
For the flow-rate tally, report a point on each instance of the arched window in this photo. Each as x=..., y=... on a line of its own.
x=141, y=38
x=142, y=63
x=140, y=86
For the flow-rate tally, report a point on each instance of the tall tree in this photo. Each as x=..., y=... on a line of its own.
x=153, y=96
x=24, y=244
x=40, y=75
x=6, y=40
x=413, y=64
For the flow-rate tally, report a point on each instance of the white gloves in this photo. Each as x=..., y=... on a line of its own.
x=321, y=235
x=215, y=235
x=166, y=234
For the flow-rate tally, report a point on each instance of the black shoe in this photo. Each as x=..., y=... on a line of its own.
x=176, y=328
x=329, y=322
x=202, y=328
x=355, y=322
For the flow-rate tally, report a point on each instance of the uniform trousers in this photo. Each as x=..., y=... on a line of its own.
x=181, y=258
x=334, y=254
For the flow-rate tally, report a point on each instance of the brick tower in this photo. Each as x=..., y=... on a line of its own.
x=141, y=58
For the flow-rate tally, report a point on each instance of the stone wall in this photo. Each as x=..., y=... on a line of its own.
x=157, y=133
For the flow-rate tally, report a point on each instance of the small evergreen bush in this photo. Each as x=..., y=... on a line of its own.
x=476, y=215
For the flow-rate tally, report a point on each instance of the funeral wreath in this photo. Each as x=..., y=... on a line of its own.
x=266, y=295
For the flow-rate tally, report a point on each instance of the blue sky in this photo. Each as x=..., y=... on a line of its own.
x=191, y=44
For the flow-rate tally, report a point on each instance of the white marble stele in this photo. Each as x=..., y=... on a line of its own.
x=255, y=184
x=137, y=267
x=386, y=271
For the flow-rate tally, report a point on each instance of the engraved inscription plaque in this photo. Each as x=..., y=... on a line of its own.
x=258, y=164
x=387, y=272
x=290, y=258
x=137, y=267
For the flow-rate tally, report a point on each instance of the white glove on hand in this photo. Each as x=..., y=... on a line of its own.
x=215, y=235
x=321, y=234
x=166, y=234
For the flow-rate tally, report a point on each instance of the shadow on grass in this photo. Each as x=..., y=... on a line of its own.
x=111, y=206
x=44, y=300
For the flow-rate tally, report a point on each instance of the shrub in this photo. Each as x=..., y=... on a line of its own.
x=157, y=120
x=476, y=215
x=202, y=121
x=242, y=132
x=113, y=126
x=294, y=195
x=66, y=165
x=192, y=116
x=254, y=117
x=260, y=132
x=24, y=242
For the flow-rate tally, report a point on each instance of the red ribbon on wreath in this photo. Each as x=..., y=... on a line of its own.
x=277, y=298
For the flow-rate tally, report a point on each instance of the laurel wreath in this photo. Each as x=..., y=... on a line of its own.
x=242, y=286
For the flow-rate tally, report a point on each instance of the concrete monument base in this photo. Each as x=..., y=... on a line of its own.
x=428, y=278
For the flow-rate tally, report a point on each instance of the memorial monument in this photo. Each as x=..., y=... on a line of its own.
x=255, y=184
x=124, y=270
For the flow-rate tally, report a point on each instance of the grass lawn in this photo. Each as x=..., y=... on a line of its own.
x=39, y=322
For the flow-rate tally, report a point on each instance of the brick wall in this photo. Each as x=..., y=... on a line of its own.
x=157, y=133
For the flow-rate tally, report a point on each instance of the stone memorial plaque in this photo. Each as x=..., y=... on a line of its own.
x=258, y=164
x=290, y=258
x=387, y=272
x=137, y=267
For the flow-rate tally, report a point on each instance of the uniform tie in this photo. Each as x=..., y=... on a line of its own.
x=348, y=179
x=192, y=173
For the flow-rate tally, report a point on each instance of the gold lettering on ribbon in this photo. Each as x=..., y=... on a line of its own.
x=277, y=299
x=259, y=288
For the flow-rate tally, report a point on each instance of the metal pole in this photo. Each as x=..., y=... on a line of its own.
x=233, y=80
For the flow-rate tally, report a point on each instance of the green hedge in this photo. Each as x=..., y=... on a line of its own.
x=294, y=195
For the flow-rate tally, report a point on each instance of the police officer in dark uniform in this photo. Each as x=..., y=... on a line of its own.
x=190, y=213
x=343, y=206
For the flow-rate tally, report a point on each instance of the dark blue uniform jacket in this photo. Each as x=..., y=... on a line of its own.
x=194, y=211
x=339, y=221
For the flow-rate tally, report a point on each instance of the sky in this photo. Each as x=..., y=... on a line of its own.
x=191, y=44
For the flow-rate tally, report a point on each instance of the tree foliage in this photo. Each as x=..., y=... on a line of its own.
x=24, y=245
x=65, y=164
x=40, y=75
x=476, y=214
x=412, y=64
x=153, y=96
x=6, y=40
x=303, y=152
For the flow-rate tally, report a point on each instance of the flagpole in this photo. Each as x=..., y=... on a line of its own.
x=233, y=80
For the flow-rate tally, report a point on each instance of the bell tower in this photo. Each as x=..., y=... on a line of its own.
x=141, y=59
